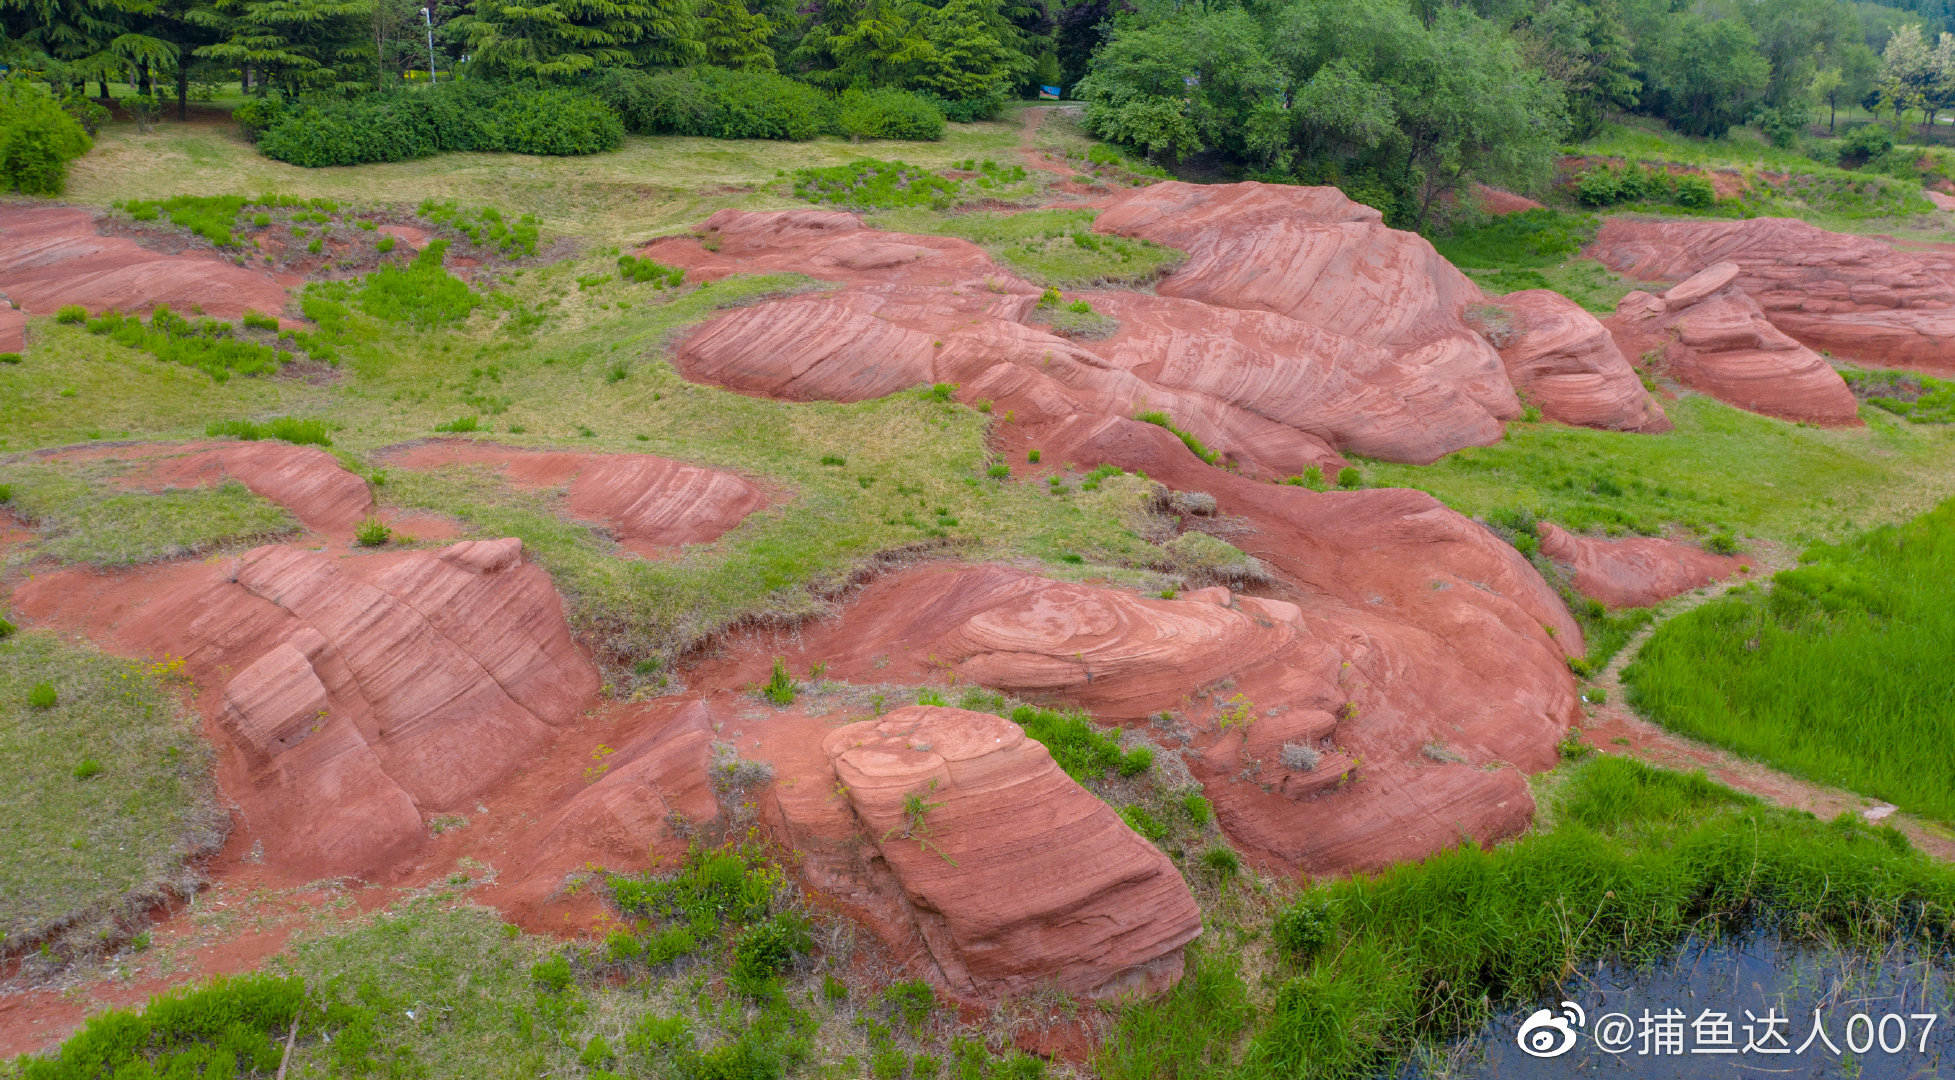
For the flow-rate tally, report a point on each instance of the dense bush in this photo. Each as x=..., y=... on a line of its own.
x=1606, y=185
x=1865, y=143
x=968, y=110
x=888, y=114
x=37, y=140
x=457, y=116
x=715, y=103
x=257, y=116
x=210, y=346
x=226, y=1028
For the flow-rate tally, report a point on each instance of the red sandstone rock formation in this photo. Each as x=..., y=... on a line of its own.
x=1501, y=203
x=651, y=503
x=1315, y=256
x=1444, y=647
x=308, y=481
x=1713, y=338
x=1564, y=361
x=1274, y=391
x=1633, y=573
x=53, y=255
x=1016, y=877
x=1854, y=296
x=356, y=696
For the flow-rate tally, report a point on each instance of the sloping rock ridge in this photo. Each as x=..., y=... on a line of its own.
x=650, y=503
x=1636, y=572
x=1857, y=297
x=308, y=481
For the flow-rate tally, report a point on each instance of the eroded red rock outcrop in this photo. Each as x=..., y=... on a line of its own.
x=1017, y=878
x=1636, y=572
x=1856, y=297
x=1565, y=362
x=357, y=696
x=1714, y=338
x=651, y=503
x=308, y=481
x=1378, y=361
x=53, y=255
x=13, y=329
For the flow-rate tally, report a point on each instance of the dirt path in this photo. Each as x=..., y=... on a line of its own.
x=1615, y=728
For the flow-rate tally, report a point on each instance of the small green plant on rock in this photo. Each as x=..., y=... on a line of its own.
x=779, y=687
x=373, y=532
x=915, y=826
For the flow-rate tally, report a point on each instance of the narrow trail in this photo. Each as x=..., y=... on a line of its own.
x=1616, y=728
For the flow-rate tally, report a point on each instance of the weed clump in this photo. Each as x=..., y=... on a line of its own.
x=643, y=271
x=1080, y=748
x=372, y=532
x=286, y=428
x=208, y=345
x=869, y=184
x=422, y=293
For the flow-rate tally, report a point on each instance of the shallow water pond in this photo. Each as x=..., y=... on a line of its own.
x=1727, y=1009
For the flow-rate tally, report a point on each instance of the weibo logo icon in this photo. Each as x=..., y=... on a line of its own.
x=1548, y=1034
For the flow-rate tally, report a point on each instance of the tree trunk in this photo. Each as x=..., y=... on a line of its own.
x=143, y=85
x=1832, y=112
x=182, y=91
x=103, y=82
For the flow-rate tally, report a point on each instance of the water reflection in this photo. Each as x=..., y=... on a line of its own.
x=1889, y=1017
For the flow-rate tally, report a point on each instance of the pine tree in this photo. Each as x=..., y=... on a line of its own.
x=562, y=39
x=300, y=45
x=734, y=37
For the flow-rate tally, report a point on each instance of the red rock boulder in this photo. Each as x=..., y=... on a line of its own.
x=1714, y=338
x=1636, y=572
x=1562, y=360
x=1018, y=879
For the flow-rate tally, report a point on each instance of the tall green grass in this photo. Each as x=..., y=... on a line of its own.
x=1840, y=673
x=1638, y=861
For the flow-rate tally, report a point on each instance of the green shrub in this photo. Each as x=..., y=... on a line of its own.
x=225, y=1028
x=210, y=217
x=1194, y=445
x=89, y=767
x=1141, y=821
x=875, y=185
x=1198, y=809
x=288, y=428
x=715, y=103
x=7, y=629
x=257, y=321
x=1865, y=143
x=258, y=115
x=10, y=358
x=37, y=140
x=43, y=695
x=661, y=276
x=1302, y=929
x=71, y=315
x=1078, y=746
x=888, y=113
x=460, y=425
x=968, y=110
x=422, y=293
x=779, y=688
x=1349, y=478
x=484, y=225
x=372, y=532
x=207, y=345
x=91, y=115
x=470, y=115
x=384, y=245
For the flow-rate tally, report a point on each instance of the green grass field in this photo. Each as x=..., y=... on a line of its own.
x=1838, y=673
x=105, y=791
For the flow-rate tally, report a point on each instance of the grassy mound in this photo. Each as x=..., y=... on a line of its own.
x=1838, y=673
x=82, y=516
x=104, y=791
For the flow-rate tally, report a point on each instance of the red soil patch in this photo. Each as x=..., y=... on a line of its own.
x=1854, y=296
x=1713, y=337
x=54, y=255
x=13, y=329
x=652, y=503
x=1500, y=203
x=1636, y=572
